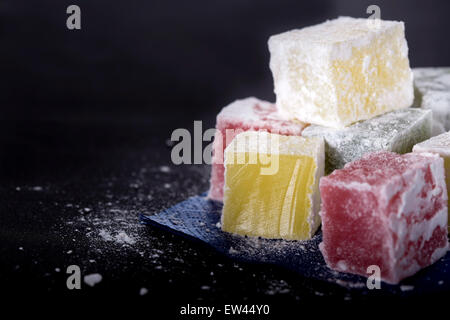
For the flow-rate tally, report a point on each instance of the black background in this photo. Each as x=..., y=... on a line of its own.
x=83, y=112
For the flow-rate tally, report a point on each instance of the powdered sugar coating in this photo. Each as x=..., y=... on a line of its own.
x=432, y=91
x=378, y=168
x=438, y=144
x=256, y=115
x=396, y=131
x=338, y=30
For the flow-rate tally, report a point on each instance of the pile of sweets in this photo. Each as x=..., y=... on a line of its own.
x=344, y=96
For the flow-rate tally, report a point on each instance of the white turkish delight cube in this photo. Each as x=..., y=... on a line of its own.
x=341, y=71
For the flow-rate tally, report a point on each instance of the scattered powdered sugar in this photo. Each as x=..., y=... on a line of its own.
x=29, y=188
x=264, y=249
x=277, y=287
x=105, y=235
x=349, y=284
x=92, y=279
x=121, y=237
x=164, y=169
x=143, y=291
x=106, y=225
x=406, y=288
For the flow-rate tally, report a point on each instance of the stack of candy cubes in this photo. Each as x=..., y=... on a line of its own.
x=335, y=150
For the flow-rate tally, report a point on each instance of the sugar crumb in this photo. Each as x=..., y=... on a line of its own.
x=406, y=288
x=92, y=279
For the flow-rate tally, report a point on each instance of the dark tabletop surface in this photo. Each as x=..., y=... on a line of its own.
x=84, y=127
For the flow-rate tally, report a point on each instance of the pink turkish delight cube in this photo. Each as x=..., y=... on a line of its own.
x=243, y=115
x=386, y=210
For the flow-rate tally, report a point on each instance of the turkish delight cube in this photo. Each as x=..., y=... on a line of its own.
x=239, y=116
x=272, y=185
x=441, y=145
x=341, y=71
x=385, y=210
x=432, y=91
x=396, y=131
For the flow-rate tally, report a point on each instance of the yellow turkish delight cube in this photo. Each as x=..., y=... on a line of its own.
x=272, y=185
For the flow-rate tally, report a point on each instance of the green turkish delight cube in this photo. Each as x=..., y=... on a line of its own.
x=396, y=131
